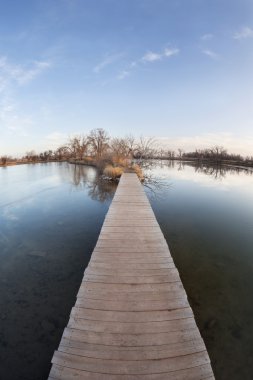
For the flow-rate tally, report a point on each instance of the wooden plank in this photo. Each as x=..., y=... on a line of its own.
x=131, y=353
x=134, y=272
x=133, y=328
x=131, y=279
x=130, y=265
x=132, y=340
x=126, y=223
x=125, y=367
x=162, y=262
x=132, y=319
x=148, y=238
x=104, y=257
x=134, y=244
x=143, y=229
x=144, y=305
x=196, y=373
x=134, y=258
x=132, y=296
x=132, y=288
x=133, y=249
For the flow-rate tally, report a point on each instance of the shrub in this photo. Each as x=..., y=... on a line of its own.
x=137, y=169
x=113, y=172
x=120, y=161
x=3, y=160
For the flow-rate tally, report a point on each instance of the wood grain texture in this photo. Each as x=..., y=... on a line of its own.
x=132, y=319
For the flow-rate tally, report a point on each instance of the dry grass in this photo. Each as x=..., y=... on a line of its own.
x=88, y=159
x=113, y=172
x=119, y=161
x=137, y=169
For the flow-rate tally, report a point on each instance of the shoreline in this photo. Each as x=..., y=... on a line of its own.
x=236, y=164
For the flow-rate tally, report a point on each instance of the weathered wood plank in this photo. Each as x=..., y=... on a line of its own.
x=131, y=279
x=128, y=250
x=116, y=222
x=124, y=272
x=196, y=373
x=143, y=229
x=132, y=288
x=130, y=266
x=144, y=305
x=129, y=316
x=131, y=296
x=105, y=257
x=132, y=340
x=132, y=319
x=131, y=353
x=133, y=328
x=124, y=367
x=134, y=244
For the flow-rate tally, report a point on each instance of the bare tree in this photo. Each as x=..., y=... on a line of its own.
x=131, y=144
x=145, y=147
x=31, y=156
x=3, y=160
x=123, y=147
x=218, y=152
x=180, y=153
x=171, y=154
x=62, y=153
x=78, y=146
x=118, y=147
x=99, y=142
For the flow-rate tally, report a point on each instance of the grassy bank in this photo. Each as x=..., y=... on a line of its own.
x=111, y=169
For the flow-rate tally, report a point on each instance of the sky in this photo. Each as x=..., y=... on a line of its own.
x=179, y=70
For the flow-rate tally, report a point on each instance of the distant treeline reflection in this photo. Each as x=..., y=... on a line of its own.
x=217, y=171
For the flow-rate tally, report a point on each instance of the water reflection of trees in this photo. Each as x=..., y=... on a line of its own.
x=87, y=178
x=219, y=172
x=216, y=171
x=101, y=190
x=84, y=177
x=80, y=175
x=156, y=186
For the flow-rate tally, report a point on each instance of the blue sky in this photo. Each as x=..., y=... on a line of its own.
x=177, y=69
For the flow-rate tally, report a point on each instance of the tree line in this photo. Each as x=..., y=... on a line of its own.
x=97, y=146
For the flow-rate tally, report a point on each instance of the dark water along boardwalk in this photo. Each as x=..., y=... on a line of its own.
x=132, y=319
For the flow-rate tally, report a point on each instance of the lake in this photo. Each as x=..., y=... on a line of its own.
x=50, y=218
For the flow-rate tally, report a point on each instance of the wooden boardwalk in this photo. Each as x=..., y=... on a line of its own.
x=132, y=319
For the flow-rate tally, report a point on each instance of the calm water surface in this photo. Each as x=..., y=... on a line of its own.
x=50, y=218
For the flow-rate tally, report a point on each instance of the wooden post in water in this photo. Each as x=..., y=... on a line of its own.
x=132, y=319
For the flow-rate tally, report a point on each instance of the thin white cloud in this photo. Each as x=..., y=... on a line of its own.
x=15, y=124
x=211, y=54
x=109, y=59
x=245, y=32
x=3, y=84
x=207, y=37
x=21, y=74
x=151, y=57
x=133, y=64
x=170, y=52
x=26, y=76
x=12, y=119
x=123, y=74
